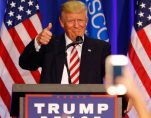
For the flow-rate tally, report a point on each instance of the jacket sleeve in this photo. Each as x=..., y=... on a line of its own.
x=30, y=59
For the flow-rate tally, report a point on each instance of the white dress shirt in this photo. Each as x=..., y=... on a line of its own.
x=64, y=79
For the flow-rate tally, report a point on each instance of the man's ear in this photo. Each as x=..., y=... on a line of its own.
x=61, y=22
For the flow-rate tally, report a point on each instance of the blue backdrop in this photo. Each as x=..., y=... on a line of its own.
x=118, y=13
x=119, y=18
x=2, y=10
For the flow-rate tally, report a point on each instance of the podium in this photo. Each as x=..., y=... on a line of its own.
x=21, y=92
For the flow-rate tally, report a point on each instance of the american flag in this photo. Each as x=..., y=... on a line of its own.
x=140, y=51
x=21, y=24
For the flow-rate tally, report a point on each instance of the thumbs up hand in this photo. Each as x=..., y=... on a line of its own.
x=45, y=36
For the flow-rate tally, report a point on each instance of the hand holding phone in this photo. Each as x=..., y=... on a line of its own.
x=115, y=65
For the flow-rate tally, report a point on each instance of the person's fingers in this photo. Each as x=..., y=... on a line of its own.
x=46, y=33
x=44, y=39
x=49, y=26
x=126, y=73
x=129, y=106
x=45, y=36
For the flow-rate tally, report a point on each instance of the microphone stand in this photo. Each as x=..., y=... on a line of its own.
x=68, y=71
x=79, y=40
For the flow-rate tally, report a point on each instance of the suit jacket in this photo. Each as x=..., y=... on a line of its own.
x=52, y=58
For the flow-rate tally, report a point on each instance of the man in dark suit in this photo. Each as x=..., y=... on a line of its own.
x=49, y=52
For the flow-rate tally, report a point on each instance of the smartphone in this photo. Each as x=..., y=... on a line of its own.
x=114, y=67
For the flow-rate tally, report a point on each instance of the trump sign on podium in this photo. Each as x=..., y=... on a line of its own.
x=71, y=106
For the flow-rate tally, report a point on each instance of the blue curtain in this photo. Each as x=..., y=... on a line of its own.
x=120, y=18
x=125, y=23
x=50, y=11
x=2, y=10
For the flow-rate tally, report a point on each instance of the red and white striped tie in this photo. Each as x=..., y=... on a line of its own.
x=74, y=66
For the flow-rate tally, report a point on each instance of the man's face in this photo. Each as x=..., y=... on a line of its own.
x=74, y=24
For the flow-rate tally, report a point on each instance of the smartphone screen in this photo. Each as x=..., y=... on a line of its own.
x=117, y=71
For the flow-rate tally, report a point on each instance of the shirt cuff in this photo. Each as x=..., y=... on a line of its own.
x=37, y=46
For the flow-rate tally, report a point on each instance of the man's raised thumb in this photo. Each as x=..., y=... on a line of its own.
x=49, y=26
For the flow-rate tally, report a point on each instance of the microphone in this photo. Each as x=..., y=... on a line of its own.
x=79, y=40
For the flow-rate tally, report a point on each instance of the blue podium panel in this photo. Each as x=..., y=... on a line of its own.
x=71, y=106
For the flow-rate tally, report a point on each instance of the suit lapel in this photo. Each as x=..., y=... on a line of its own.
x=86, y=54
x=60, y=57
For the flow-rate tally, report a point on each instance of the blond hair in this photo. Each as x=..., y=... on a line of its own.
x=73, y=6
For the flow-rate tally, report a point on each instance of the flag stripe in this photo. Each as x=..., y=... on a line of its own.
x=10, y=65
x=4, y=113
x=146, y=29
x=32, y=32
x=140, y=70
x=141, y=53
x=5, y=96
x=36, y=75
x=19, y=44
x=38, y=14
x=14, y=55
x=20, y=28
x=138, y=81
x=145, y=41
x=30, y=28
x=17, y=41
x=35, y=19
x=6, y=78
x=23, y=34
